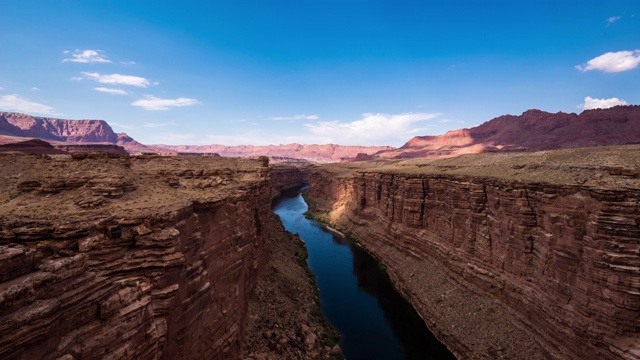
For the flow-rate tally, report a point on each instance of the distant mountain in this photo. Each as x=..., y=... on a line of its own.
x=61, y=131
x=15, y=127
x=289, y=152
x=534, y=130
x=97, y=131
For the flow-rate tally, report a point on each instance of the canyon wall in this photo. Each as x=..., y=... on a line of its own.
x=118, y=257
x=287, y=175
x=564, y=259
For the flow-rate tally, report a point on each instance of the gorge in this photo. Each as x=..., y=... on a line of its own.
x=518, y=255
x=504, y=256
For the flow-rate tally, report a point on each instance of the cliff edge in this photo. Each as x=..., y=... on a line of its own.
x=513, y=255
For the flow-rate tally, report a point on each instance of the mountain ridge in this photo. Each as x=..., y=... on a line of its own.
x=533, y=130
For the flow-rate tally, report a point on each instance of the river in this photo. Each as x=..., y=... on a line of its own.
x=356, y=295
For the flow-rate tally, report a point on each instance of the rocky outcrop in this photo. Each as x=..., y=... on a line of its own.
x=105, y=256
x=86, y=148
x=563, y=258
x=33, y=146
x=534, y=130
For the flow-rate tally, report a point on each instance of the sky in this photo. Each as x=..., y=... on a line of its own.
x=346, y=72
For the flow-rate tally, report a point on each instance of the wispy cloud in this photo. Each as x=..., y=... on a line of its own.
x=111, y=91
x=613, y=62
x=591, y=103
x=128, y=63
x=16, y=103
x=150, y=102
x=175, y=139
x=613, y=19
x=372, y=129
x=115, y=79
x=86, y=56
x=157, y=125
x=35, y=89
x=295, y=117
x=122, y=126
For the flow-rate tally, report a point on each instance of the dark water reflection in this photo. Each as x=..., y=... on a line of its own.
x=356, y=295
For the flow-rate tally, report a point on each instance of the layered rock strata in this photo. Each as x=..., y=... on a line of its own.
x=114, y=257
x=552, y=239
x=288, y=175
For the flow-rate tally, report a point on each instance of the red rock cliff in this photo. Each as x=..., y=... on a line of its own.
x=105, y=256
x=534, y=130
x=286, y=175
x=563, y=258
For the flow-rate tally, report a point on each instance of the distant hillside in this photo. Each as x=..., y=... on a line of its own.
x=291, y=152
x=65, y=131
x=15, y=127
x=534, y=130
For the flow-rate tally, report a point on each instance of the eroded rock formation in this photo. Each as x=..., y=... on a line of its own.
x=534, y=130
x=105, y=256
x=552, y=238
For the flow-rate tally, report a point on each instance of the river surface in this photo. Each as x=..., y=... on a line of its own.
x=356, y=295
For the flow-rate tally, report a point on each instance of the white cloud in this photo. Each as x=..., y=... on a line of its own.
x=371, y=129
x=613, y=62
x=591, y=103
x=111, y=91
x=613, y=19
x=128, y=63
x=16, y=103
x=87, y=56
x=35, y=89
x=123, y=126
x=295, y=117
x=157, y=125
x=175, y=139
x=116, y=79
x=150, y=102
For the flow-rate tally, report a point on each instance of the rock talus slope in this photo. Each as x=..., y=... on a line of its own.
x=118, y=257
x=552, y=237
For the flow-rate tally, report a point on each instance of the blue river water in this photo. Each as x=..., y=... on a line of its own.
x=356, y=296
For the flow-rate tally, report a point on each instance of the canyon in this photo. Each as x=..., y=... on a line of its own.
x=516, y=251
x=513, y=255
x=147, y=257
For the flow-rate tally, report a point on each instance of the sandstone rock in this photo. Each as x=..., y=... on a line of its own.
x=561, y=257
x=146, y=275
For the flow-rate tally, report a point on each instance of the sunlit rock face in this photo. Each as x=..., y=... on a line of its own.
x=533, y=130
x=562, y=257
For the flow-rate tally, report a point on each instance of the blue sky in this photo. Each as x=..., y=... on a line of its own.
x=346, y=72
